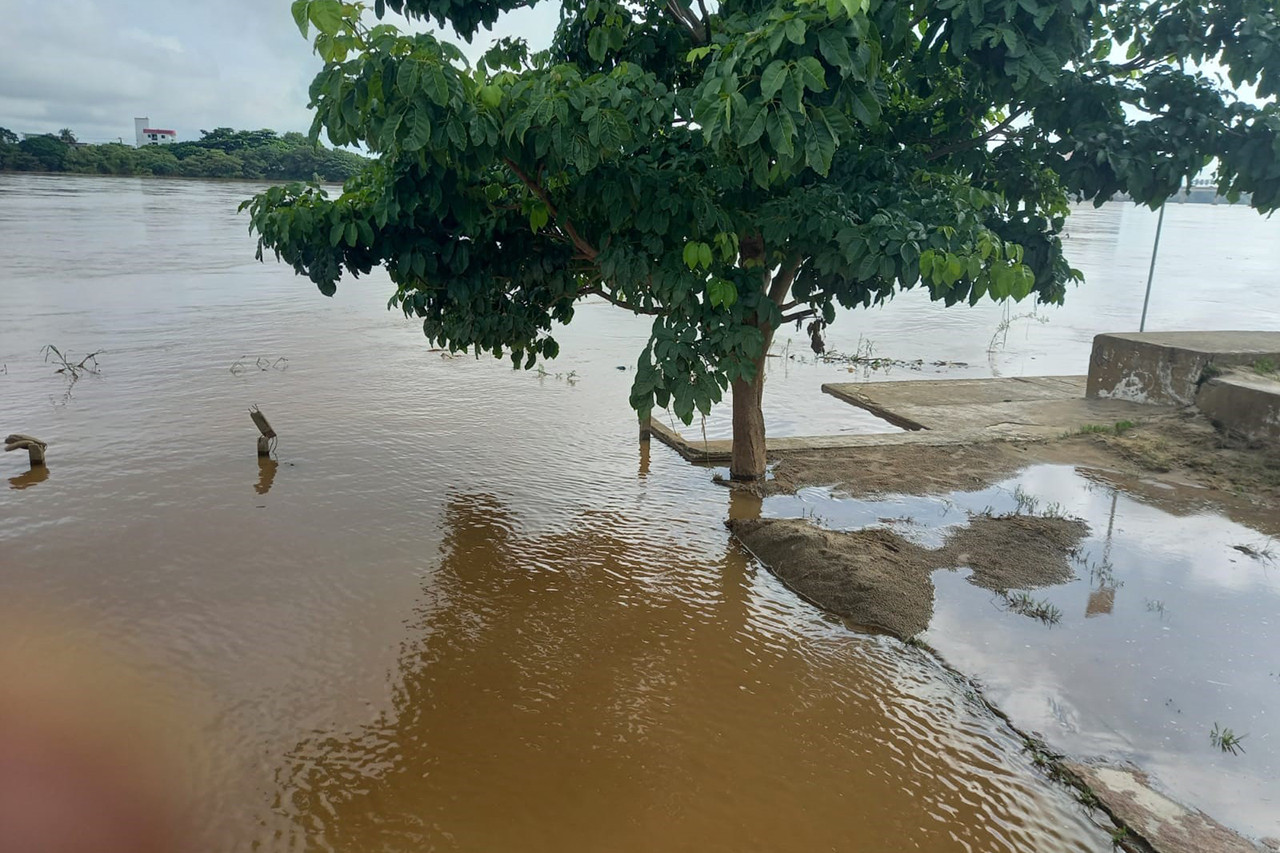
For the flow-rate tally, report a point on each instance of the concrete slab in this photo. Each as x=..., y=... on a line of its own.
x=1167, y=826
x=1014, y=408
x=943, y=412
x=1243, y=404
x=720, y=451
x=1167, y=368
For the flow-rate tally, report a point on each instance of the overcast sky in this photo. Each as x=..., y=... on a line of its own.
x=93, y=65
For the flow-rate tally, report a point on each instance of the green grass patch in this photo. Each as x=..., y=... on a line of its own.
x=1118, y=428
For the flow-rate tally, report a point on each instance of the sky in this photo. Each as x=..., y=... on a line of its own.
x=93, y=65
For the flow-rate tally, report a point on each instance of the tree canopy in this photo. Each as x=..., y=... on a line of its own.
x=732, y=167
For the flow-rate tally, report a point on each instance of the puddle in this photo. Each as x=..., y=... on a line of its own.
x=1170, y=628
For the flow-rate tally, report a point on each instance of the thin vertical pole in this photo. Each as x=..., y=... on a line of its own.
x=1151, y=274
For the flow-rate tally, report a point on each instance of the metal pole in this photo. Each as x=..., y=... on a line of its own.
x=1155, y=250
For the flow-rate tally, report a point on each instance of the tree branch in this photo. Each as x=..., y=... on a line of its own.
x=784, y=279
x=796, y=303
x=599, y=290
x=800, y=315
x=978, y=140
x=588, y=251
x=685, y=16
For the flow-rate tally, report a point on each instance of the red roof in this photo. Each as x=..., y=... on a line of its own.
x=165, y=132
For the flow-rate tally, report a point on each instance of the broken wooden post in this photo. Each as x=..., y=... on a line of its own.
x=35, y=447
x=646, y=430
x=268, y=434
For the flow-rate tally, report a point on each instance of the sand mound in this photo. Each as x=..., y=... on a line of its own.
x=877, y=579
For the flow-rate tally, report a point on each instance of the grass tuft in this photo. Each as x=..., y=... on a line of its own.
x=1024, y=605
x=1226, y=740
x=1118, y=428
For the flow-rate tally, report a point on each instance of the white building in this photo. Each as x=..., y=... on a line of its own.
x=152, y=135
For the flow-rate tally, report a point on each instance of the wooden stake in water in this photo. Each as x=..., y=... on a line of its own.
x=35, y=447
x=264, y=426
x=1151, y=274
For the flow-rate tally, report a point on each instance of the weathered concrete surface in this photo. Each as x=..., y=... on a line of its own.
x=719, y=451
x=1166, y=825
x=942, y=412
x=1243, y=404
x=1166, y=368
x=1031, y=407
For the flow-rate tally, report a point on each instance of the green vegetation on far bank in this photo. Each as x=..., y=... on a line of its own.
x=219, y=153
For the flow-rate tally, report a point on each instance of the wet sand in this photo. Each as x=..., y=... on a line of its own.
x=877, y=579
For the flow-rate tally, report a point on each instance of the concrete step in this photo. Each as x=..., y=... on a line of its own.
x=1167, y=368
x=1243, y=404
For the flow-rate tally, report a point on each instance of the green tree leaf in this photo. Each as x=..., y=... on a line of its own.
x=753, y=126
x=326, y=15
x=436, y=85
x=419, y=126
x=598, y=43
x=722, y=293
x=813, y=73
x=301, y=10
x=771, y=81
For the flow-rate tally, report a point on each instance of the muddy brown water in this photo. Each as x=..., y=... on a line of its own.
x=461, y=611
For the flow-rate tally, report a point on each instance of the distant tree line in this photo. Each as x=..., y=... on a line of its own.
x=219, y=153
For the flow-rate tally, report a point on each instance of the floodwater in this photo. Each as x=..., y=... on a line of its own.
x=1168, y=630
x=462, y=610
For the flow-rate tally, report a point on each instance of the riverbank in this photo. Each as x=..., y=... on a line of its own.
x=223, y=153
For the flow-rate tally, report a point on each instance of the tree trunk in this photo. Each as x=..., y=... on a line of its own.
x=748, y=428
x=749, y=458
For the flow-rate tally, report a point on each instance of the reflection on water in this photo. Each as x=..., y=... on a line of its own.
x=485, y=622
x=1168, y=629
x=35, y=476
x=267, y=468
x=557, y=695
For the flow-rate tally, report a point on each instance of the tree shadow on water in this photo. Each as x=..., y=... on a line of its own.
x=605, y=685
x=537, y=663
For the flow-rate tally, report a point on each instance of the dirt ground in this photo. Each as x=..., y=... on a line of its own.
x=875, y=578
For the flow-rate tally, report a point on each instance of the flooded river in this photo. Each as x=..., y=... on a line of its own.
x=463, y=611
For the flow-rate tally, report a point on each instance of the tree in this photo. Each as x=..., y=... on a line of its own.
x=155, y=160
x=66, y=135
x=211, y=163
x=47, y=150
x=735, y=167
x=8, y=137
x=231, y=141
